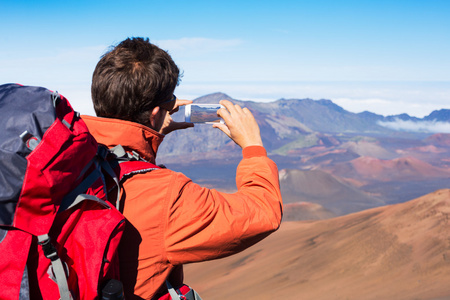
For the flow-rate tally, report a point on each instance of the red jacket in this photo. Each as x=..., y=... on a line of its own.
x=173, y=221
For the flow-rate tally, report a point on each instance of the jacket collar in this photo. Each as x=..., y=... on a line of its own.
x=132, y=136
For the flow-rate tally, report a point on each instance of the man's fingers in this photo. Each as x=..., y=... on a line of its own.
x=240, y=124
x=238, y=108
x=173, y=106
x=183, y=125
x=176, y=126
x=176, y=106
x=174, y=110
x=182, y=102
x=228, y=105
x=223, y=127
x=224, y=114
x=221, y=112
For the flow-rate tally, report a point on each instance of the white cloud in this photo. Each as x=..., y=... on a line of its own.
x=419, y=126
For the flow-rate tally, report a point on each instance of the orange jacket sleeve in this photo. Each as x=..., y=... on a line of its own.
x=205, y=224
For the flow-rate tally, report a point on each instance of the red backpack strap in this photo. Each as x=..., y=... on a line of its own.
x=129, y=168
x=120, y=165
x=125, y=163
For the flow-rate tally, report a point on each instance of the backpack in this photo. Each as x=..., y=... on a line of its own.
x=59, y=227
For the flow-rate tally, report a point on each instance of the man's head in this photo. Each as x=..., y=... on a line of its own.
x=132, y=79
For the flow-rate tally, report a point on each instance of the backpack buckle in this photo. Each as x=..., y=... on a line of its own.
x=48, y=248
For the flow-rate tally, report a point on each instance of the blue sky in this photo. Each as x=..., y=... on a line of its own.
x=387, y=57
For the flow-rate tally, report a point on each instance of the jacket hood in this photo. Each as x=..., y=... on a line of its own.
x=132, y=136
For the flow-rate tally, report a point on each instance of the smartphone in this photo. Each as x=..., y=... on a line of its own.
x=202, y=113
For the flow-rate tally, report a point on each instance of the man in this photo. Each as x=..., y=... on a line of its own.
x=171, y=220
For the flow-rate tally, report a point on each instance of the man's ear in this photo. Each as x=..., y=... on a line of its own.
x=154, y=117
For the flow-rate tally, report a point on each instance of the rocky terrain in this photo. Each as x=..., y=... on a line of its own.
x=332, y=162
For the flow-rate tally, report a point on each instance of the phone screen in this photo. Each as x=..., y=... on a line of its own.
x=202, y=113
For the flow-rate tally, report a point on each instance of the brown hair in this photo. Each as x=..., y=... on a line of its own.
x=132, y=79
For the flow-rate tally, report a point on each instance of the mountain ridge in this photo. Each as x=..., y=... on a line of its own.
x=380, y=165
x=442, y=115
x=286, y=120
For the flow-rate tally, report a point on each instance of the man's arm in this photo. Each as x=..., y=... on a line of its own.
x=206, y=224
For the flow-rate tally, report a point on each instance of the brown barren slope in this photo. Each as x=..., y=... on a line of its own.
x=305, y=211
x=325, y=189
x=393, y=252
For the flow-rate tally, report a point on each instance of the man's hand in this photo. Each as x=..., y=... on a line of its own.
x=240, y=125
x=169, y=124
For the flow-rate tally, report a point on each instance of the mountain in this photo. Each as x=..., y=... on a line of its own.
x=289, y=121
x=397, y=252
x=442, y=115
x=439, y=140
x=324, y=148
